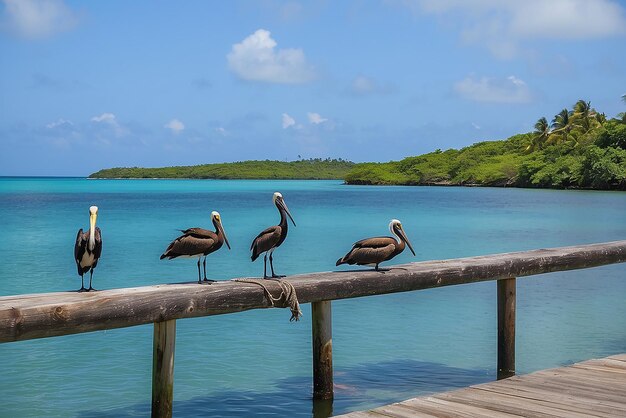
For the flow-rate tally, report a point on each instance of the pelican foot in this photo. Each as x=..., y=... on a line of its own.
x=82, y=289
x=92, y=288
x=277, y=276
x=209, y=280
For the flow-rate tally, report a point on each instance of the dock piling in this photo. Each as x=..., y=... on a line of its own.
x=506, y=328
x=163, y=368
x=321, y=317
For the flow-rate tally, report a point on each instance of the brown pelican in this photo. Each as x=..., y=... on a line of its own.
x=373, y=251
x=88, y=248
x=198, y=242
x=271, y=238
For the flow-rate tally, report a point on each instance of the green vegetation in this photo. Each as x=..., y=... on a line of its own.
x=580, y=148
x=302, y=169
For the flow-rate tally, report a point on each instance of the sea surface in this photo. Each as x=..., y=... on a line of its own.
x=252, y=364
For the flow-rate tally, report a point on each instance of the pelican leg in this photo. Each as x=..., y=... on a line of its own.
x=82, y=284
x=265, y=266
x=376, y=267
x=204, y=265
x=90, y=278
x=199, y=276
x=272, y=267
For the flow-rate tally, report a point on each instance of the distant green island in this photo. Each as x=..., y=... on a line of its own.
x=579, y=148
x=312, y=169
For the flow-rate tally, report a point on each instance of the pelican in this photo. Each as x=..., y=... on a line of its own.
x=271, y=238
x=87, y=249
x=198, y=242
x=373, y=251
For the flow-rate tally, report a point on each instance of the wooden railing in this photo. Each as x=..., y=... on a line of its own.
x=24, y=317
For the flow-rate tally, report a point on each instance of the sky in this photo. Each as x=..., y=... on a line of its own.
x=92, y=85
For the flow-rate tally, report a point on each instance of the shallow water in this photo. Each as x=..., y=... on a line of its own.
x=386, y=348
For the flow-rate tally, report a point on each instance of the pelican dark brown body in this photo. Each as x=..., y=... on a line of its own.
x=271, y=238
x=87, y=249
x=373, y=251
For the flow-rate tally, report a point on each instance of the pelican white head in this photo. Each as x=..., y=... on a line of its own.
x=277, y=196
x=394, y=222
x=93, y=210
x=215, y=214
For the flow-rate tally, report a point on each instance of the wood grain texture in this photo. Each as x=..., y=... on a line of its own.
x=164, y=345
x=506, y=328
x=322, y=336
x=30, y=316
x=577, y=391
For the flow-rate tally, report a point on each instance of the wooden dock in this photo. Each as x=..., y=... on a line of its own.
x=593, y=388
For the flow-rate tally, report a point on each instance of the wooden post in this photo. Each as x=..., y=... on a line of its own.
x=321, y=317
x=163, y=368
x=506, y=328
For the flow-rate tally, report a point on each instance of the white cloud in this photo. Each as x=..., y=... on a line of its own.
x=36, y=19
x=494, y=90
x=257, y=59
x=220, y=130
x=110, y=120
x=59, y=123
x=503, y=25
x=288, y=121
x=105, y=118
x=316, y=118
x=175, y=126
x=362, y=86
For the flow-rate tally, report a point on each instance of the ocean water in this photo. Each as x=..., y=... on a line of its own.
x=386, y=348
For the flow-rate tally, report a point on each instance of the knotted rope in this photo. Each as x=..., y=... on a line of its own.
x=286, y=299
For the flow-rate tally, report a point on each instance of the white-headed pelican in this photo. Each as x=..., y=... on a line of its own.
x=373, y=251
x=198, y=242
x=88, y=248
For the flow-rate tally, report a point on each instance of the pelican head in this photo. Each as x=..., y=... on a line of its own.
x=217, y=221
x=281, y=205
x=93, y=215
x=395, y=226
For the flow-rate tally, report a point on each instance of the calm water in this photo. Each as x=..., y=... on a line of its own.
x=386, y=348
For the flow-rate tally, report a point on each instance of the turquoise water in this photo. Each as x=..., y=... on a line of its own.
x=257, y=363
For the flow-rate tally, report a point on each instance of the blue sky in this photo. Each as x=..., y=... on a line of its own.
x=89, y=85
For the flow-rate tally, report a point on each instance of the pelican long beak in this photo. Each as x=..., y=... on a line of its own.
x=284, y=206
x=223, y=233
x=404, y=237
x=92, y=221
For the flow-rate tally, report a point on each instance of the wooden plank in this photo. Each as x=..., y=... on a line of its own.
x=450, y=408
x=580, y=400
x=506, y=328
x=399, y=411
x=163, y=369
x=504, y=403
x=619, y=357
x=322, y=341
x=47, y=315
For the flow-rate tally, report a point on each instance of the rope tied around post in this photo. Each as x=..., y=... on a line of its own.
x=286, y=299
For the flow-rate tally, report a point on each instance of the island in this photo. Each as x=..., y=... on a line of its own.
x=579, y=148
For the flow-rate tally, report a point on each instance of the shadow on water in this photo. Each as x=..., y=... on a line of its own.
x=356, y=388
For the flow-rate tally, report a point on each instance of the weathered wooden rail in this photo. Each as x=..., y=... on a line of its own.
x=24, y=317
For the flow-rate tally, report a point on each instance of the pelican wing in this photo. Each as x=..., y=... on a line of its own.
x=369, y=251
x=199, y=232
x=189, y=245
x=376, y=242
x=80, y=245
x=265, y=240
x=97, y=250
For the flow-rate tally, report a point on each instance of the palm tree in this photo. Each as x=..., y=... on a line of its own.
x=540, y=135
x=584, y=115
x=562, y=125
